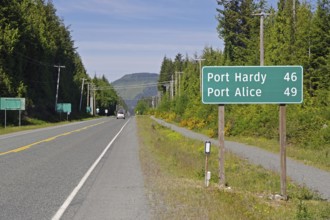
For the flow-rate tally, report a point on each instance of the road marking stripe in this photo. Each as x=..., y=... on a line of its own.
x=48, y=139
x=75, y=191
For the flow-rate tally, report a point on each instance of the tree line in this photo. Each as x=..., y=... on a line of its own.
x=33, y=39
x=295, y=33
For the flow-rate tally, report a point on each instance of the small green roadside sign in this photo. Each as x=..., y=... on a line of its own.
x=12, y=103
x=252, y=84
x=63, y=107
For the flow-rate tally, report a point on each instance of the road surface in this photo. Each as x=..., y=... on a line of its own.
x=42, y=169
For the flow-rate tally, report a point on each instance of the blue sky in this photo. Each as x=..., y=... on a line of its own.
x=118, y=37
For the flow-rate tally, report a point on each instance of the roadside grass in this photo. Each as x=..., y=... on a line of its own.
x=173, y=167
x=319, y=158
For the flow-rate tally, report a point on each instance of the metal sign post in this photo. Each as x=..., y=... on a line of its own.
x=5, y=118
x=221, y=134
x=282, y=132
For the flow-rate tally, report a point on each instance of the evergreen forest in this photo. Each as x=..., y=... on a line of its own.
x=295, y=33
x=34, y=41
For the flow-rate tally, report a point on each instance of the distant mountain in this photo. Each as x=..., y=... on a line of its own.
x=133, y=87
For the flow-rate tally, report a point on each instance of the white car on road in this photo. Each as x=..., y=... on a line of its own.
x=121, y=114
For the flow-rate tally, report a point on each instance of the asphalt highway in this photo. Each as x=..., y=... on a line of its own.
x=40, y=170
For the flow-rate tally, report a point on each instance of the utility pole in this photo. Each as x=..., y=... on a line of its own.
x=82, y=90
x=262, y=16
x=168, y=87
x=282, y=114
x=88, y=85
x=176, y=83
x=91, y=98
x=94, y=99
x=179, y=86
x=153, y=102
x=172, y=89
x=200, y=72
x=282, y=123
x=58, y=82
x=159, y=96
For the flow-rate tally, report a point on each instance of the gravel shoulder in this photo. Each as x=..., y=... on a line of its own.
x=311, y=177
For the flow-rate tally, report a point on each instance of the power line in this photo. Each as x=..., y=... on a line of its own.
x=134, y=86
x=31, y=60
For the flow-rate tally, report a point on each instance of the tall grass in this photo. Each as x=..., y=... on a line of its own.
x=174, y=172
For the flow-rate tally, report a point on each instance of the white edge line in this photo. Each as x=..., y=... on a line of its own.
x=75, y=191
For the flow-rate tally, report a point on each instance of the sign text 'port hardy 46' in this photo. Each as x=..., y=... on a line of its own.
x=252, y=84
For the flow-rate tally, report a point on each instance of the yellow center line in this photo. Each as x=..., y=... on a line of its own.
x=48, y=139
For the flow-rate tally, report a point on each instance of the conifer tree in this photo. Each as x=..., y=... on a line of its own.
x=320, y=49
x=166, y=71
x=239, y=30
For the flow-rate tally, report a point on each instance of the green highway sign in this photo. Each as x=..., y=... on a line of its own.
x=63, y=107
x=252, y=84
x=12, y=103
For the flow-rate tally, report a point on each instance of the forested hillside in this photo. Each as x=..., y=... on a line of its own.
x=136, y=86
x=294, y=34
x=33, y=40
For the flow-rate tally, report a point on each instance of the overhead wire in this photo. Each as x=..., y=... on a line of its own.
x=136, y=86
x=31, y=60
x=36, y=62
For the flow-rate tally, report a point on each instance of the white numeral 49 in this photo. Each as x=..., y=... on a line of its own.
x=290, y=91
